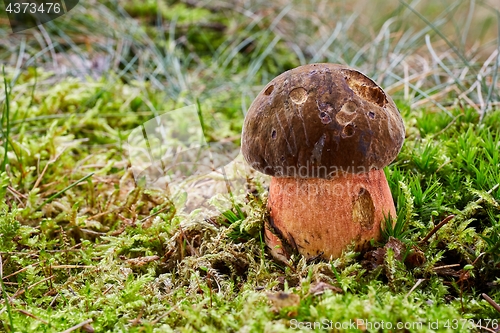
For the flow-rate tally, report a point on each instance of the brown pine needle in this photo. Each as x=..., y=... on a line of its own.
x=20, y=271
x=70, y=266
x=26, y=313
x=492, y=302
x=446, y=266
x=436, y=228
x=22, y=291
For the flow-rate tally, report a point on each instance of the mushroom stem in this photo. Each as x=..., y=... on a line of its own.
x=321, y=217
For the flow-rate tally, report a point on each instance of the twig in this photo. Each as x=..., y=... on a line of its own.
x=74, y=328
x=20, y=271
x=445, y=266
x=493, y=188
x=16, y=192
x=485, y=328
x=436, y=228
x=415, y=287
x=41, y=175
x=54, y=300
x=492, y=302
x=154, y=322
x=26, y=313
x=108, y=289
x=137, y=319
x=22, y=291
x=479, y=256
x=92, y=232
x=70, y=266
x=39, y=179
x=11, y=190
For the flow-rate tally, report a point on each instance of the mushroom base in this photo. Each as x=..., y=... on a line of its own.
x=322, y=217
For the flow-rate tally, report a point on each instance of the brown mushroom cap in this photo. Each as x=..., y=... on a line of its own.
x=317, y=120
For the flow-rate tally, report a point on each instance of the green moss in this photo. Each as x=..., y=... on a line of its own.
x=105, y=249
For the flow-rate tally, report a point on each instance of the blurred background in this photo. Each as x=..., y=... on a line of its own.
x=222, y=52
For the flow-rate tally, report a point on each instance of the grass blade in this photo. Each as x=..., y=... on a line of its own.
x=65, y=189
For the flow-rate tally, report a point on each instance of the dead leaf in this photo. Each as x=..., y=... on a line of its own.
x=320, y=287
x=397, y=246
x=415, y=258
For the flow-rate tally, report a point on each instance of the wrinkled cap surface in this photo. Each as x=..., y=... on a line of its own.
x=317, y=120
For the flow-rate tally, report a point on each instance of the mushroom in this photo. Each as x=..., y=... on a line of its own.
x=324, y=132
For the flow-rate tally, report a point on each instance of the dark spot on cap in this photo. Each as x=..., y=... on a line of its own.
x=348, y=130
x=273, y=134
x=269, y=90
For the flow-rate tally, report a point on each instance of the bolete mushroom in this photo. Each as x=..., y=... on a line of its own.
x=324, y=132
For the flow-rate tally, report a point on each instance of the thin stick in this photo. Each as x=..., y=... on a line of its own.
x=103, y=213
x=11, y=190
x=165, y=314
x=54, y=300
x=20, y=271
x=436, y=228
x=415, y=287
x=485, y=328
x=493, y=188
x=446, y=266
x=492, y=302
x=26, y=313
x=16, y=192
x=107, y=290
x=74, y=328
x=41, y=175
x=71, y=266
x=22, y=291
